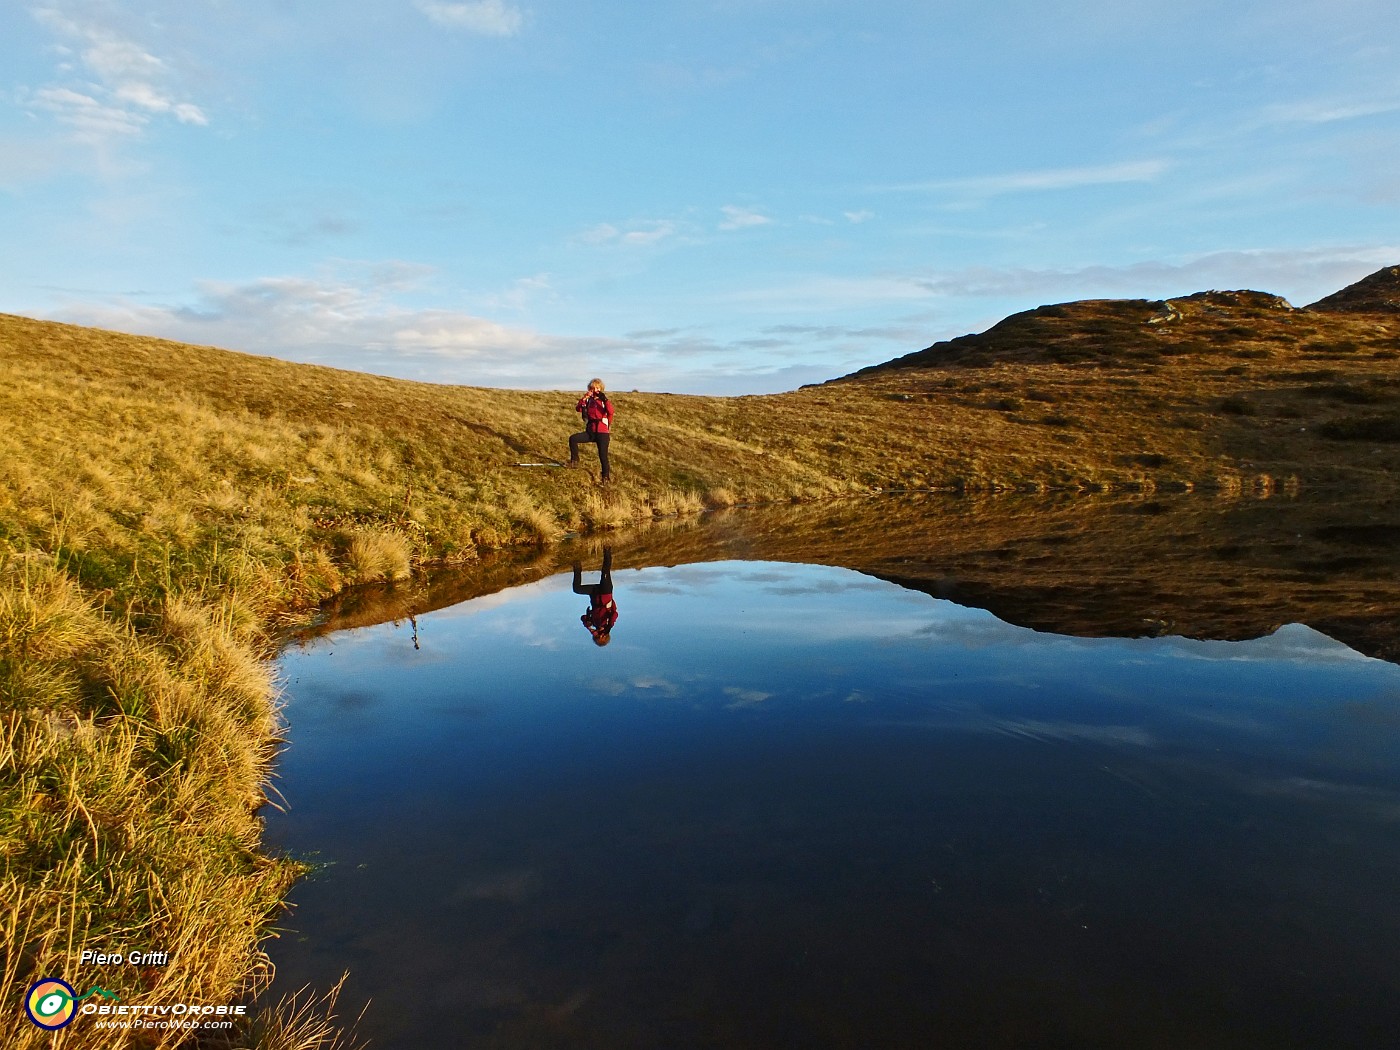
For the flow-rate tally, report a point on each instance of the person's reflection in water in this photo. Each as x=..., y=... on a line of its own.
x=602, y=610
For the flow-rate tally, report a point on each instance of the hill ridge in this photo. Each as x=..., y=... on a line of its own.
x=1376, y=293
x=1130, y=331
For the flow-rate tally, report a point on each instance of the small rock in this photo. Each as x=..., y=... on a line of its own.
x=1165, y=314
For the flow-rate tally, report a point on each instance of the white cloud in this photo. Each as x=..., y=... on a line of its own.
x=1328, y=111
x=485, y=17
x=92, y=121
x=1044, y=180
x=642, y=234
x=144, y=96
x=736, y=218
x=448, y=333
x=358, y=319
x=820, y=294
x=1299, y=274
x=348, y=320
x=115, y=58
x=858, y=217
x=603, y=233
x=522, y=292
x=125, y=85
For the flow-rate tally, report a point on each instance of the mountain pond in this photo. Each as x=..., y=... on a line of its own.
x=813, y=793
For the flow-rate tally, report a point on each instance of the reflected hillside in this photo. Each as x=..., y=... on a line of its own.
x=1110, y=567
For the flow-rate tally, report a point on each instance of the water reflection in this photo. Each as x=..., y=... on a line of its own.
x=602, y=608
x=842, y=814
x=1108, y=567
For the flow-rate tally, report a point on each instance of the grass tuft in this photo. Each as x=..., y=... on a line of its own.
x=373, y=556
x=300, y=1021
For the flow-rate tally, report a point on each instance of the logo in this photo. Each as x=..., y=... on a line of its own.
x=49, y=1003
x=52, y=1004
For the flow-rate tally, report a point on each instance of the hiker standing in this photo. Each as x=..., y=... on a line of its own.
x=597, y=413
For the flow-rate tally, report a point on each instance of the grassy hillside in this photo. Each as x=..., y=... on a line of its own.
x=164, y=507
x=1230, y=387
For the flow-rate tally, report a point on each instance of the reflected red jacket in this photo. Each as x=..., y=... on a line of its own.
x=601, y=614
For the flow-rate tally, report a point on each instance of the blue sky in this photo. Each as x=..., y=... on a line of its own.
x=712, y=197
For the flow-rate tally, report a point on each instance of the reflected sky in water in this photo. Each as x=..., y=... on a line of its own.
x=797, y=806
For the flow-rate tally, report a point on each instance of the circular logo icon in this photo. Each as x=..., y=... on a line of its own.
x=49, y=1003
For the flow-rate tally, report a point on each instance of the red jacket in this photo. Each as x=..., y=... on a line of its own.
x=601, y=614
x=597, y=413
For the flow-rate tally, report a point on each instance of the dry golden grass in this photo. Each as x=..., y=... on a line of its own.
x=304, y=1020
x=373, y=555
x=163, y=507
x=1113, y=394
x=132, y=766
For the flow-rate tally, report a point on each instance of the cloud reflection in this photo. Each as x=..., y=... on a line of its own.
x=656, y=685
x=745, y=697
x=1044, y=732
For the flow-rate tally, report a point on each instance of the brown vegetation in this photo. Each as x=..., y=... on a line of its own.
x=1218, y=389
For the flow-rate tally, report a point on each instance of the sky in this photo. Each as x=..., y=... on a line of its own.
x=723, y=197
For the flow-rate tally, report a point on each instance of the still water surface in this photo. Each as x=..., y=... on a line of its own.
x=796, y=806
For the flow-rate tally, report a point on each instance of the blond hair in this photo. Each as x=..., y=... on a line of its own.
x=596, y=384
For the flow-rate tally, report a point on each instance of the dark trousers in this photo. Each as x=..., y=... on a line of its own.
x=604, y=585
x=601, y=440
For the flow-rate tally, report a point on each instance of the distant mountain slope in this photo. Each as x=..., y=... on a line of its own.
x=1165, y=386
x=1378, y=293
x=1115, y=332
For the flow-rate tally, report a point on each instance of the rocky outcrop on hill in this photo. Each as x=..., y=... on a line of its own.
x=1243, y=299
x=1118, y=332
x=1113, y=332
x=1377, y=294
